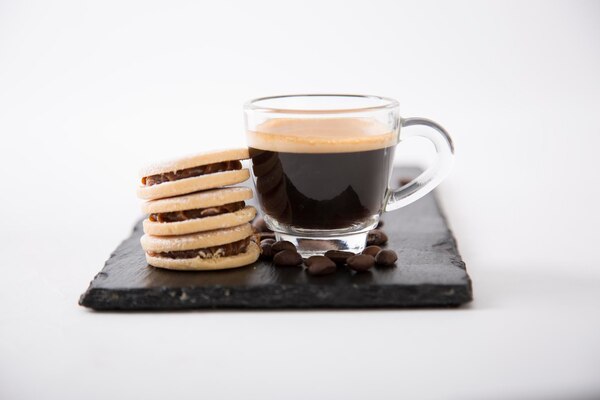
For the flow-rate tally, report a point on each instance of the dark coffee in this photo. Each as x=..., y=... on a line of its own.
x=322, y=190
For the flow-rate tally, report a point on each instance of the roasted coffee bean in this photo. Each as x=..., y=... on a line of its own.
x=338, y=256
x=287, y=258
x=310, y=260
x=268, y=240
x=260, y=225
x=380, y=223
x=266, y=250
x=282, y=245
x=361, y=262
x=320, y=265
x=386, y=257
x=376, y=237
x=371, y=250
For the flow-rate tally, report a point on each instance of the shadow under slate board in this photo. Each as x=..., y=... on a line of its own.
x=429, y=273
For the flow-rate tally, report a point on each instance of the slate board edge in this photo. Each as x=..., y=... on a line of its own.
x=193, y=298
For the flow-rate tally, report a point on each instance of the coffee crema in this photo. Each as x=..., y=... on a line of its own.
x=321, y=173
x=325, y=135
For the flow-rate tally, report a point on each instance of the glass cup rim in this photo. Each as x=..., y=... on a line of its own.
x=387, y=103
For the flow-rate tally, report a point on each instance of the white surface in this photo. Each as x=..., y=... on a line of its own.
x=90, y=91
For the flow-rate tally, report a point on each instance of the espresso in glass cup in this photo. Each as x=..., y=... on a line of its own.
x=321, y=166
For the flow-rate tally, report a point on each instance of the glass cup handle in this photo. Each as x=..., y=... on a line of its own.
x=433, y=175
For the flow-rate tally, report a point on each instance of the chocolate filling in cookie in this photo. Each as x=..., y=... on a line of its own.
x=223, y=250
x=184, y=215
x=192, y=172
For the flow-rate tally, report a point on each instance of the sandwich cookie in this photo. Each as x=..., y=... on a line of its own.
x=192, y=174
x=212, y=250
x=198, y=212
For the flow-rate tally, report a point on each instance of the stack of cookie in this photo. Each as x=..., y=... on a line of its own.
x=194, y=222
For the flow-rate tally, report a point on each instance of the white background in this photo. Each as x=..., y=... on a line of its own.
x=91, y=91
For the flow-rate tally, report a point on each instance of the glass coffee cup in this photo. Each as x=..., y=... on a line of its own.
x=321, y=166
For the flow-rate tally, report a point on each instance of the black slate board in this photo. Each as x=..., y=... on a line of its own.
x=429, y=273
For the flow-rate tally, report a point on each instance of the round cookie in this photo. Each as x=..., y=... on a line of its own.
x=195, y=240
x=208, y=198
x=185, y=183
x=220, y=221
x=202, y=200
x=190, y=185
x=154, y=246
x=195, y=160
x=199, y=264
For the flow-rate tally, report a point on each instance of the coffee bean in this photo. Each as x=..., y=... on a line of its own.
x=260, y=225
x=282, y=245
x=268, y=240
x=266, y=251
x=376, y=237
x=320, y=265
x=371, y=250
x=386, y=257
x=287, y=258
x=380, y=223
x=338, y=256
x=361, y=262
x=310, y=260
